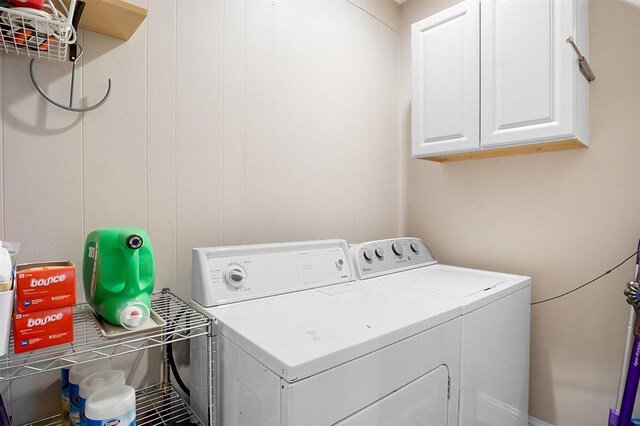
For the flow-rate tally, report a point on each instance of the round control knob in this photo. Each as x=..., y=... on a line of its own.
x=379, y=253
x=368, y=255
x=235, y=276
x=415, y=248
x=397, y=249
x=339, y=264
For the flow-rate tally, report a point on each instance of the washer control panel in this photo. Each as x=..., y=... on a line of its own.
x=224, y=275
x=375, y=258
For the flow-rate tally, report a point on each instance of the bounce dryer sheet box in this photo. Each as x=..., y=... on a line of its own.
x=45, y=286
x=37, y=330
x=48, y=302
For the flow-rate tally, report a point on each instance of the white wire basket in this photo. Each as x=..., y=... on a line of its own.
x=42, y=34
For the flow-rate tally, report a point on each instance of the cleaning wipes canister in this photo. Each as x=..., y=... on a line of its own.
x=113, y=405
x=76, y=375
x=94, y=382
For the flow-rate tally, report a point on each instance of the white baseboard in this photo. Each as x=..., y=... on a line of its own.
x=535, y=422
x=492, y=411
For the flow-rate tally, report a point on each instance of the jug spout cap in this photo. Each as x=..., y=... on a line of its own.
x=132, y=241
x=134, y=314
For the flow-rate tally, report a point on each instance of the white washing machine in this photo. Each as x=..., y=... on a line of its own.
x=495, y=315
x=301, y=342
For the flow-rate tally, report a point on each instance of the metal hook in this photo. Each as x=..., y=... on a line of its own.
x=73, y=58
x=73, y=77
x=583, y=64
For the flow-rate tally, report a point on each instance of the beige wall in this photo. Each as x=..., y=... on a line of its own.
x=230, y=122
x=562, y=218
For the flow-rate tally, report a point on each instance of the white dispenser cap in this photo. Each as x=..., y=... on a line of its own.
x=95, y=381
x=134, y=314
x=79, y=372
x=5, y=265
x=110, y=402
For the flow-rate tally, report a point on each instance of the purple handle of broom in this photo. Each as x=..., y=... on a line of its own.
x=631, y=385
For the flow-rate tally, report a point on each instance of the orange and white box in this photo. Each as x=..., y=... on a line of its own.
x=37, y=330
x=47, y=285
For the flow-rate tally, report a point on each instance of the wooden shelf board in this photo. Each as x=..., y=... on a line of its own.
x=115, y=18
x=512, y=150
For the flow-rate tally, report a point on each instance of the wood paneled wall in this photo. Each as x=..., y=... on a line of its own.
x=229, y=122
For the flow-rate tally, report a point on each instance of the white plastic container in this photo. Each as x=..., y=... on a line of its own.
x=6, y=269
x=6, y=312
x=114, y=405
x=76, y=375
x=93, y=383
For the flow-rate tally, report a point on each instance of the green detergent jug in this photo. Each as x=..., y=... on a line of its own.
x=118, y=275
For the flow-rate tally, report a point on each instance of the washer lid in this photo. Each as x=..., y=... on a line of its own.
x=469, y=288
x=301, y=334
x=455, y=283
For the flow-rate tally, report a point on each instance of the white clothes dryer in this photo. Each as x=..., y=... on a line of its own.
x=301, y=342
x=495, y=313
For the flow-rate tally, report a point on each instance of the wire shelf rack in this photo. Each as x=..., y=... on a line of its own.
x=154, y=406
x=42, y=34
x=182, y=323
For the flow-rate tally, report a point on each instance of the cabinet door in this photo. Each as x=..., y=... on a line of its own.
x=527, y=71
x=445, y=77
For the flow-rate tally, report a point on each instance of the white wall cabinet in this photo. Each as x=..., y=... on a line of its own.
x=497, y=77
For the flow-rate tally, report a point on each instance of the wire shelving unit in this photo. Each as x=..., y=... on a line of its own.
x=157, y=404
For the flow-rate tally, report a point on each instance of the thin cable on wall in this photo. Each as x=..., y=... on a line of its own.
x=587, y=283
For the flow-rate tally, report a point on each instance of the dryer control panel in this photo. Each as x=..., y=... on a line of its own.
x=382, y=257
x=224, y=275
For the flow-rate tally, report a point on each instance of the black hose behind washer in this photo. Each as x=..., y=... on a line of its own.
x=174, y=367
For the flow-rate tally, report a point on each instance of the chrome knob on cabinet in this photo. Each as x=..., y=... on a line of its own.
x=415, y=248
x=397, y=249
x=235, y=277
x=368, y=254
x=379, y=252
